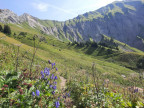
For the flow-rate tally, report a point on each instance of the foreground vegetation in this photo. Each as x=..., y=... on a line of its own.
x=102, y=76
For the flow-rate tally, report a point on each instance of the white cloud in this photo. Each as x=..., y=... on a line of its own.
x=96, y=4
x=61, y=9
x=43, y=7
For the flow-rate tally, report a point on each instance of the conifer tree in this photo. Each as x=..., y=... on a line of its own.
x=7, y=29
x=1, y=29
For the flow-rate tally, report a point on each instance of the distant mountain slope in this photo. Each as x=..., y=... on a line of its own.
x=120, y=20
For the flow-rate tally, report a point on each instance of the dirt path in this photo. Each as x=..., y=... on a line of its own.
x=63, y=82
x=68, y=101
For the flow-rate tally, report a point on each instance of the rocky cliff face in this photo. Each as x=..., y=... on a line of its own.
x=120, y=20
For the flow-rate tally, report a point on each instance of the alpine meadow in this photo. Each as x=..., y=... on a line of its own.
x=94, y=60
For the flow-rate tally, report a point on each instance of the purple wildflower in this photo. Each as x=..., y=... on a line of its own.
x=53, y=92
x=42, y=77
x=46, y=71
x=49, y=61
x=42, y=73
x=55, y=83
x=57, y=104
x=50, y=86
x=33, y=93
x=37, y=92
x=135, y=90
x=52, y=65
x=64, y=96
x=52, y=76
x=58, y=98
x=56, y=69
x=55, y=78
x=54, y=87
x=68, y=94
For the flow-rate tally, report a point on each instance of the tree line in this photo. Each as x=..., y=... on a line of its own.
x=109, y=43
x=6, y=29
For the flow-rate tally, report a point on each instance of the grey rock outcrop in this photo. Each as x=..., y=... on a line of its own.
x=7, y=16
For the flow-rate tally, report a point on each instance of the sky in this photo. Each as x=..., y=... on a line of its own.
x=60, y=10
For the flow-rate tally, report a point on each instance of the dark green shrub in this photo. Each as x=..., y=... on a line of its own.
x=23, y=34
x=109, y=51
x=140, y=63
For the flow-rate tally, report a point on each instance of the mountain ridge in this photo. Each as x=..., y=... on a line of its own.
x=121, y=20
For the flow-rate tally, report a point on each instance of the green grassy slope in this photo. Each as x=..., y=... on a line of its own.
x=70, y=60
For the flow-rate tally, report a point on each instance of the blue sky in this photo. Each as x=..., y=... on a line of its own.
x=60, y=10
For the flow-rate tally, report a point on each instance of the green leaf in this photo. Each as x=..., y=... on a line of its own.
x=48, y=94
x=50, y=104
x=31, y=90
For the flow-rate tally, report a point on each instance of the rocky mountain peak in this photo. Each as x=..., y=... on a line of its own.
x=6, y=10
x=27, y=16
x=7, y=16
